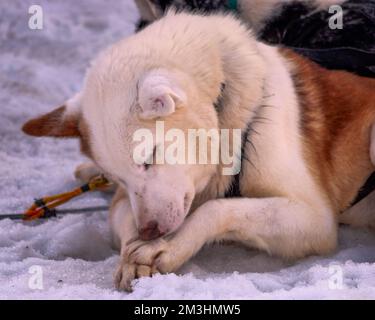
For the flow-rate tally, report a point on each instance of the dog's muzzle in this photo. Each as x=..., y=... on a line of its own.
x=151, y=231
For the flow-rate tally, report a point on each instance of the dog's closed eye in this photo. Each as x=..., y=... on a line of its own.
x=151, y=160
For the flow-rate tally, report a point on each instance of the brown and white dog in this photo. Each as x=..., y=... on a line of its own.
x=309, y=145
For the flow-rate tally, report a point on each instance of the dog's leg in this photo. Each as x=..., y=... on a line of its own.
x=124, y=231
x=88, y=170
x=85, y=171
x=277, y=225
x=362, y=214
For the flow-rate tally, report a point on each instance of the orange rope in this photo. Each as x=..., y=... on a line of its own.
x=44, y=207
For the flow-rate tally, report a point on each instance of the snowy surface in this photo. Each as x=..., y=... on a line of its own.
x=38, y=71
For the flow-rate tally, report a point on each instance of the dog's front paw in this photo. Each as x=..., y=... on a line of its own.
x=127, y=272
x=157, y=254
x=144, y=259
x=87, y=170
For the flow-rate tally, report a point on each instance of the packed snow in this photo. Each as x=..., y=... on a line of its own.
x=71, y=257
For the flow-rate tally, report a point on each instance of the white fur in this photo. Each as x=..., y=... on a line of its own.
x=209, y=51
x=279, y=138
x=73, y=105
x=174, y=71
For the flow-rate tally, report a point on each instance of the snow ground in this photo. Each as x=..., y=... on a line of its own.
x=39, y=70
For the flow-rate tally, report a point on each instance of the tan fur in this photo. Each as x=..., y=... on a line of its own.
x=337, y=113
x=53, y=124
x=372, y=148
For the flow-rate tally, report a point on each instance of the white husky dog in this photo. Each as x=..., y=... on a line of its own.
x=309, y=143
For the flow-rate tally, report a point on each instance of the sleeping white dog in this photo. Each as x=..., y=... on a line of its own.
x=308, y=143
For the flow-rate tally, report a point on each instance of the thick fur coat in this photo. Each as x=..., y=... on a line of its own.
x=308, y=147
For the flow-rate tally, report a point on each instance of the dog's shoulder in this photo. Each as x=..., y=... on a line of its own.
x=336, y=115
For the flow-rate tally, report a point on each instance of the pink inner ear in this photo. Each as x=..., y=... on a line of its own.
x=158, y=104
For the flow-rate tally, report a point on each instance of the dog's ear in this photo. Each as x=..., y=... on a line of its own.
x=159, y=95
x=61, y=122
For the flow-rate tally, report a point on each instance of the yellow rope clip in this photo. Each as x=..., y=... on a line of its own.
x=45, y=207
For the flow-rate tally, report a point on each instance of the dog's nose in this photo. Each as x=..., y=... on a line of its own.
x=150, y=232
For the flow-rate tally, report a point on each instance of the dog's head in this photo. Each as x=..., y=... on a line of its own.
x=118, y=117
